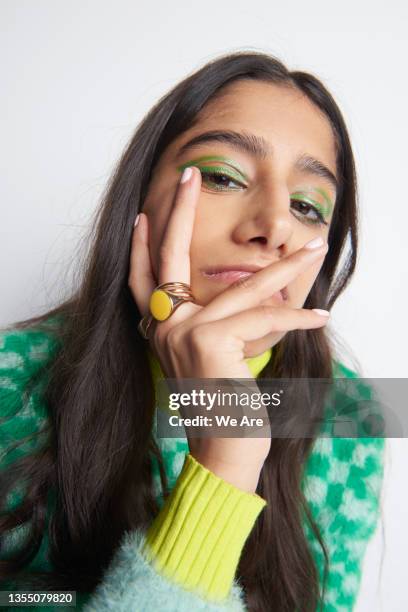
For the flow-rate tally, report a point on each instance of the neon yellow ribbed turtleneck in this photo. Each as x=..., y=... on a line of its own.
x=256, y=364
x=197, y=538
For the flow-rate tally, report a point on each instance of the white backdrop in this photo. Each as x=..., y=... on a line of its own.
x=78, y=76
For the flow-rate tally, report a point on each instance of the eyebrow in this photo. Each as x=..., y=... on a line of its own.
x=259, y=148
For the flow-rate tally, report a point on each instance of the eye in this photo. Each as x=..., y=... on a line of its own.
x=218, y=180
x=309, y=212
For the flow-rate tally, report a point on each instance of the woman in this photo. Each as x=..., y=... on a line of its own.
x=243, y=166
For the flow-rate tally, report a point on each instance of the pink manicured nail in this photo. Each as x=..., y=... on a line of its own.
x=320, y=311
x=186, y=174
x=136, y=220
x=315, y=243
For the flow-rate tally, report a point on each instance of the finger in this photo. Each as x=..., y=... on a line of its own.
x=259, y=322
x=174, y=260
x=250, y=291
x=141, y=278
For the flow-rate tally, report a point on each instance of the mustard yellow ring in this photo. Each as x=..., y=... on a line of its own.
x=161, y=305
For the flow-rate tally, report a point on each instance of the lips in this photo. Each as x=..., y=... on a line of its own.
x=230, y=274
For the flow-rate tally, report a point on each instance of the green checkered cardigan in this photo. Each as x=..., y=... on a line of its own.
x=342, y=484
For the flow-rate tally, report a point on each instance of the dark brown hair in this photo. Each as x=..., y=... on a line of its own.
x=99, y=393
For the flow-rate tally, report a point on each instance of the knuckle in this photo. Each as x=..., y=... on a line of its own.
x=247, y=283
x=166, y=253
x=173, y=338
x=265, y=310
x=159, y=336
x=198, y=337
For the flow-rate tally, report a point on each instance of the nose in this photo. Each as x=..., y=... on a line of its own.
x=269, y=222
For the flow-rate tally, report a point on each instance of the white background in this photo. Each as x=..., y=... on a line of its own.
x=78, y=76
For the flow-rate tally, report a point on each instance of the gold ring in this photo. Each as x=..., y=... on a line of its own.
x=164, y=300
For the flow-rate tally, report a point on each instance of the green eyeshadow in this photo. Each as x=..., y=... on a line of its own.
x=236, y=172
x=236, y=169
x=324, y=210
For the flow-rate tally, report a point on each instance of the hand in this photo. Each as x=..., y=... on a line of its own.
x=210, y=341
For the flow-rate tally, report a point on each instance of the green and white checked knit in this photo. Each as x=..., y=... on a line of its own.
x=342, y=477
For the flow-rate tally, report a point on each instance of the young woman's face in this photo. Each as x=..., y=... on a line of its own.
x=261, y=207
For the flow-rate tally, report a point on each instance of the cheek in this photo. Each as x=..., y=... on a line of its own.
x=205, y=233
x=209, y=232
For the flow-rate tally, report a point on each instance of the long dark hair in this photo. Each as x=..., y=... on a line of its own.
x=96, y=460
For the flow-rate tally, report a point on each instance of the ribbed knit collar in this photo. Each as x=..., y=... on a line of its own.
x=255, y=364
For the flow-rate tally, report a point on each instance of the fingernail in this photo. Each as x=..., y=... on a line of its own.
x=187, y=172
x=324, y=313
x=136, y=220
x=315, y=243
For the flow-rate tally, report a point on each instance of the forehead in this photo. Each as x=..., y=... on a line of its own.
x=283, y=116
